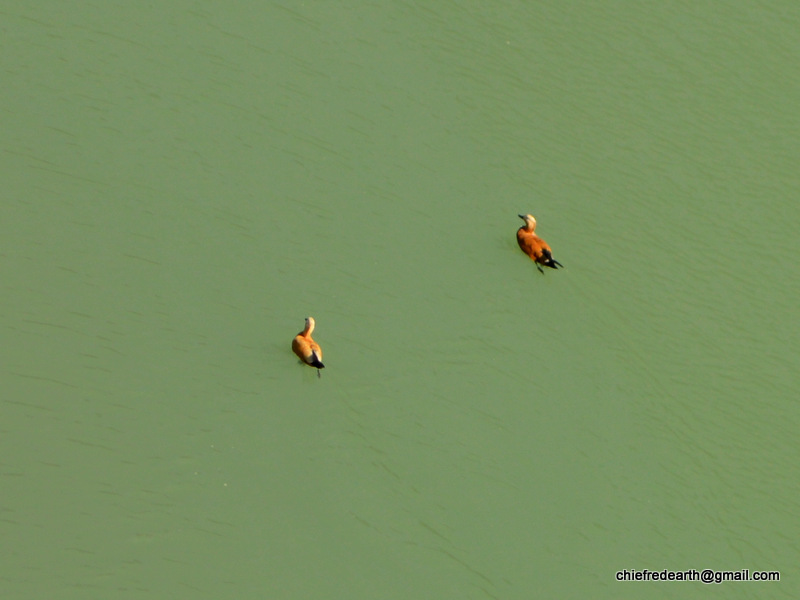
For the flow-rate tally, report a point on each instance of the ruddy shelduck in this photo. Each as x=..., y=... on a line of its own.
x=534, y=246
x=307, y=349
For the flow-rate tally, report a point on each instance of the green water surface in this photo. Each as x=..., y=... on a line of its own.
x=184, y=182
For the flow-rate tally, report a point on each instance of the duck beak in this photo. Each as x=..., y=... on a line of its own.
x=521, y=217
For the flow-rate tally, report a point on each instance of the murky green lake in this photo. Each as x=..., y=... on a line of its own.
x=184, y=183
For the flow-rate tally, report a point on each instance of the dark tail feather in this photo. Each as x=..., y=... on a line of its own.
x=549, y=261
x=315, y=362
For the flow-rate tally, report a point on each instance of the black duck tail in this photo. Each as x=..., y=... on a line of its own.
x=314, y=361
x=549, y=261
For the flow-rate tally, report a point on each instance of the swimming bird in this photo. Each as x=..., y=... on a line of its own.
x=534, y=246
x=307, y=349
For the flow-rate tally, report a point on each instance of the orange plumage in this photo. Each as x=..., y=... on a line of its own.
x=534, y=246
x=306, y=348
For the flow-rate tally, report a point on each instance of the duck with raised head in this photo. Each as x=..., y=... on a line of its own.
x=534, y=246
x=306, y=348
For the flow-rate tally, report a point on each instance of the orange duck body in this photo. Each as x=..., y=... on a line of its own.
x=306, y=348
x=534, y=246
